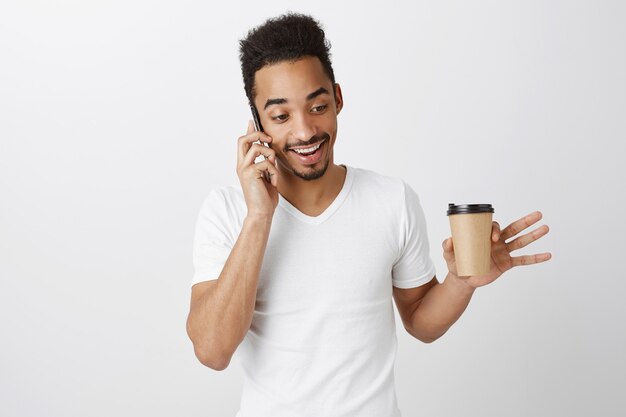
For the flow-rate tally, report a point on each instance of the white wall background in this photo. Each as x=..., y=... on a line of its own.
x=117, y=117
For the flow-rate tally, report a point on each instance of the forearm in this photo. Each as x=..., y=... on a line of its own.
x=221, y=317
x=440, y=308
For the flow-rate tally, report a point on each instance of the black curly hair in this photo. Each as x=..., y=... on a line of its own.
x=288, y=37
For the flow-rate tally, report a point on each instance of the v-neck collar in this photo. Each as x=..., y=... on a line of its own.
x=329, y=211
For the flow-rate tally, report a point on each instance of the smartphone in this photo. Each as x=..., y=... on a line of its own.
x=259, y=128
x=255, y=117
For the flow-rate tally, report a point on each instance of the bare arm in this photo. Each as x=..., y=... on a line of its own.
x=221, y=310
x=430, y=311
x=439, y=309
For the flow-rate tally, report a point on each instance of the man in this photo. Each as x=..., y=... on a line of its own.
x=296, y=269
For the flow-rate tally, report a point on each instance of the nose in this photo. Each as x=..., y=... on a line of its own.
x=303, y=127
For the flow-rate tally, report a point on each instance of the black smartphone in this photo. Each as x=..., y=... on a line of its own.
x=259, y=128
x=255, y=117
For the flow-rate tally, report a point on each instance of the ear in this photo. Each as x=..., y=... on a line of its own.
x=338, y=98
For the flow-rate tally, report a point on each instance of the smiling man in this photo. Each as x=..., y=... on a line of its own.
x=298, y=105
x=296, y=270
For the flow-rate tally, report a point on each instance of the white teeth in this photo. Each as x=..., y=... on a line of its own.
x=308, y=150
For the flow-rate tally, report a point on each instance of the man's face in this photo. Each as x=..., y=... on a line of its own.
x=298, y=110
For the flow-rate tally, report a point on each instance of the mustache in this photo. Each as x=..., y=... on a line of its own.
x=314, y=139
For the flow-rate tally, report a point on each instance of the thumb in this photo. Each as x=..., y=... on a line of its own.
x=251, y=128
x=448, y=250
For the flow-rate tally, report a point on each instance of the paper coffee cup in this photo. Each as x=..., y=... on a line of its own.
x=471, y=237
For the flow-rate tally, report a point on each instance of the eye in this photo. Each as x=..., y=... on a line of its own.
x=280, y=118
x=319, y=109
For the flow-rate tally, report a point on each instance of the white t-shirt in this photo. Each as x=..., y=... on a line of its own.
x=322, y=340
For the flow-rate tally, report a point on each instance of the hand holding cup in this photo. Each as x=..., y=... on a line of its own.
x=499, y=252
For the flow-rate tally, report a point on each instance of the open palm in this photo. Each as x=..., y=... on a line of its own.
x=501, y=259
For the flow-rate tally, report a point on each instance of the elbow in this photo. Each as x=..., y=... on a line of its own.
x=209, y=354
x=423, y=336
x=213, y=361
x=427, y=340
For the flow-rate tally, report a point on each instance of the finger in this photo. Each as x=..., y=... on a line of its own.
x=495, y=231
x=244, y=142
x=521, y=224
x=448, y=249
x=531, y=259
x=251, y=128
x=257, y=150
x=528, y=238
x=273, y=174
x=263, y=170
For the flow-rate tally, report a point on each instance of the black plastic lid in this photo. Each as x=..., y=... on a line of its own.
x=469, y=208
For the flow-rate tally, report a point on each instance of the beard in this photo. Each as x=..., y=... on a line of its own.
x=311, y=174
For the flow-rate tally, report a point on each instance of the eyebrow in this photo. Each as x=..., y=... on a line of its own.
x=311, y=96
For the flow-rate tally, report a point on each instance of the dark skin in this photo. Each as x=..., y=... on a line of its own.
x=428, y=311
x=298, y=106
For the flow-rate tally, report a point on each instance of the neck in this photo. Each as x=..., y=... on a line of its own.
x=312, y=197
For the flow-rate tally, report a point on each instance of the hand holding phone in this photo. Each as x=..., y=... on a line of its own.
x=259, y=180
x=259, y=128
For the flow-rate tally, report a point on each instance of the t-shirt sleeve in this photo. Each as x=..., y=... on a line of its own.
x=212, y=242
x=414, y=267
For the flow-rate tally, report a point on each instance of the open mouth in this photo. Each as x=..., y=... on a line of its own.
x=311, y=154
